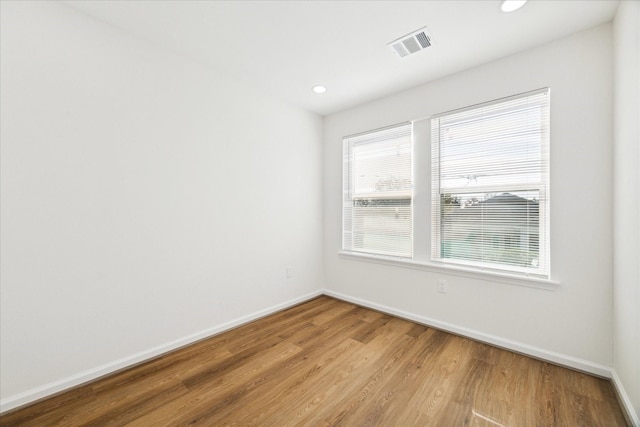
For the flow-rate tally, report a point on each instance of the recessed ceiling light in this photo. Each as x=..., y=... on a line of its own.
x=511, y=5
x=319, y=89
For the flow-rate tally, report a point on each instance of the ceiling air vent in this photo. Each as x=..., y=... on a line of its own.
x=411, y=43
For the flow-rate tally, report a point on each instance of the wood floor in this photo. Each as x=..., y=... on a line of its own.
x=327, y=362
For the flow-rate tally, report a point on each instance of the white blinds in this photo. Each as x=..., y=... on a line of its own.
x=490, y=178
x=378, y=185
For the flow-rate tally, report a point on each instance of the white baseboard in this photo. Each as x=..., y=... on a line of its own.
x=38, y=393
x=538, y=353
x=625, y=401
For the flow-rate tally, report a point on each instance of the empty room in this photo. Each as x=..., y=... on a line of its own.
x=279, y=213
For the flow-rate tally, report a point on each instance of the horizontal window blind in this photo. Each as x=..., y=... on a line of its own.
x=490, y=178
x=377, y=188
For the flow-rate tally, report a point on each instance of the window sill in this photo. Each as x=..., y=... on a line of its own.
x=510, y=279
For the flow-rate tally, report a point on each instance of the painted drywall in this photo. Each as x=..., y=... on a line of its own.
x=575, y=320
x=626, y=249
x=144, y=198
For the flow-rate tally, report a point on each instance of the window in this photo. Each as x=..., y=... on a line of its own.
x=490, y=185
x=377, y=192
x=466, y=189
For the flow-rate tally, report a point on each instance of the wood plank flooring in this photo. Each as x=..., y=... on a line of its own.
x=327, y=363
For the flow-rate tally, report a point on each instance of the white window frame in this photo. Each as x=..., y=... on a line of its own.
x=542, y=187
x=349, y=239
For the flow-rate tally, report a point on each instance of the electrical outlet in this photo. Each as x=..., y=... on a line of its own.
x=289, y=271
x=442, y=286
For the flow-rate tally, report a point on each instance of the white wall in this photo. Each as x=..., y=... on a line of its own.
x=145, y=200
x=572, y=322
x=626, y=272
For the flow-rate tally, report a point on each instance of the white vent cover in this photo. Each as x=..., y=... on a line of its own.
x=411, y=43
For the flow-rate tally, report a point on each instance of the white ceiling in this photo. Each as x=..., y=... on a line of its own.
x=286, y=47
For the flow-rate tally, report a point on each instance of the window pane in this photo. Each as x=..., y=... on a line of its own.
x=381, y=167
x=493, y=228
x=382, y=226
x=494, y=145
